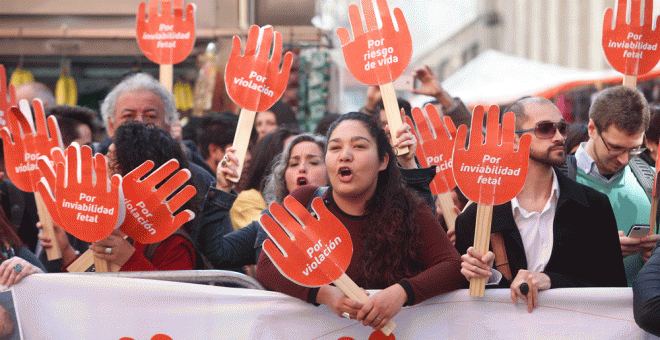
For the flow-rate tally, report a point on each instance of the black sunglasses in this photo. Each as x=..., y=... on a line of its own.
x=545, y=130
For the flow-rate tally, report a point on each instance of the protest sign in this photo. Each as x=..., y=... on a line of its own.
x=87, y=203
x=378, y=56
x=435, y=147
x=166, y=39
x=85, y=305
x=149, y=213
x=311, y=252
x=22, y=147
x=254, y=82
x=88, y=206
x=7, y=97
x=631, y=49
x=489, y=172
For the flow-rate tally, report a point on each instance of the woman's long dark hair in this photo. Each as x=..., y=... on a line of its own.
x=7, y=235
x=265, y=151
x=390, y=245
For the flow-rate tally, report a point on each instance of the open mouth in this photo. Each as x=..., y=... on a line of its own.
x=301, y=181
x=345, y=173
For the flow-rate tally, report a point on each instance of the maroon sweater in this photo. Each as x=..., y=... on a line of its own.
x=440, y=262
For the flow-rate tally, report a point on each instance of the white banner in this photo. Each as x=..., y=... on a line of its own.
x=67, y=306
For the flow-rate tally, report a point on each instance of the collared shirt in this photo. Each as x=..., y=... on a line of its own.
x=588, y=165
x=536, y=229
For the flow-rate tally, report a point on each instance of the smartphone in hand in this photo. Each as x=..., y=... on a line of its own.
x=639, y=230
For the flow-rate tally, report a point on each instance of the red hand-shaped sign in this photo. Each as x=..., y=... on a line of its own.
x=5, y=101
x=253, y=82
x=631, y=49
x=377, y=56
x=23, y=145
x=308, y=251
x=48, y=182
x=149, y=216
x=166, y=39
x=436, y=150
x=89, y=207
x=490, y=173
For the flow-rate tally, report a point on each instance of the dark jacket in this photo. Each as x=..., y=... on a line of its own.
x=646, y=295
x=586, y=250
x=224, y=247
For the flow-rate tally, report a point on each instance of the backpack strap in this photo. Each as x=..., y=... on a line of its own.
x=644, y=174
x=501, y=259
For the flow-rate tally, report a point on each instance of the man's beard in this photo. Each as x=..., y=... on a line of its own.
x=547, y=157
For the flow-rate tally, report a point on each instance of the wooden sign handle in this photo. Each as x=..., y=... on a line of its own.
x=103, y=266
x=54, y=252
x=242, y=139
x=481, y=243
x=630, y=81
x=448, y=213
x=82, y=263
x=393, y=113
x=87, y=259
x=355, y=293
x=167, y=76
x=654, y=212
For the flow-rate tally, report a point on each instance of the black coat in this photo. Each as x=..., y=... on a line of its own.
x=586, y=250
x=646, y=295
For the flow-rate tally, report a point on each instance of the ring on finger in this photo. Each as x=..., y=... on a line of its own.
x=18, y=268
x=346, y=315
x=379, y=319
x=108, y=251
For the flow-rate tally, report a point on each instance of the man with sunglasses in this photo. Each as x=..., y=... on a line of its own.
x=618, y=118
x=549, y=235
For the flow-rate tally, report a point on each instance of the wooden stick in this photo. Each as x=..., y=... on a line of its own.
x=82, y=263
x=54, y=252
x=87, y=259
x=654, y=212
x=355, y=293
x=167, y=76
x=393, y=113
x=102, y=266
x=447, y=206
x=630, y=81
x=481, y=242
x=242, y=139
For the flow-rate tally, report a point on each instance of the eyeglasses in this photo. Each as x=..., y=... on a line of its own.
x=619, y=151
x=546, y=130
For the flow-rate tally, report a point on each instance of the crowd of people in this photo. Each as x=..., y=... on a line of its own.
x=586, y=186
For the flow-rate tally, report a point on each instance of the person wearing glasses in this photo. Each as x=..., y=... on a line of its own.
x=548, y=235
x=618, y=118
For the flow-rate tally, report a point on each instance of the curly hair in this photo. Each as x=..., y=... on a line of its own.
x=394, y=208
x=136, y=82
x=275, y=188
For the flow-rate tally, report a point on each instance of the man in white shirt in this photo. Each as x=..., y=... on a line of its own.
x=553, y=229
